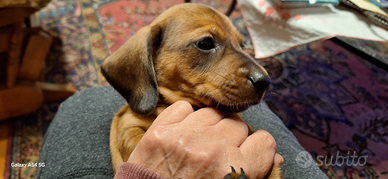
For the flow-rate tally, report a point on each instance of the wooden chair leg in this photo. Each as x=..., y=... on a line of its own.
x=24, y=98
x=34, y=57
x=56, y=92
x=14, y=54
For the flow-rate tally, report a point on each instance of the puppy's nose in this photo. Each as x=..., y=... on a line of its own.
x=260, y=81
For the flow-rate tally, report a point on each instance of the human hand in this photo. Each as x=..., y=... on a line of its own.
x=182, y=143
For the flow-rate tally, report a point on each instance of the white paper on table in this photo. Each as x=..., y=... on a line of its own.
x=274, y=30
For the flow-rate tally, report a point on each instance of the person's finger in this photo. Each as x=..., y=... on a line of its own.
x=204, y=117
x=259, y=138
x=278, y=159
x=177, y=112
x=234, y=129
x=261, y=146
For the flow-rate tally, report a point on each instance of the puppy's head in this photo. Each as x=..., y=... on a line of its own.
x=190, y=52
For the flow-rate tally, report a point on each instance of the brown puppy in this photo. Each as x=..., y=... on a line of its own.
x=190, y=52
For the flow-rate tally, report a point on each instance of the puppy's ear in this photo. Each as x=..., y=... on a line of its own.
x=130, y=70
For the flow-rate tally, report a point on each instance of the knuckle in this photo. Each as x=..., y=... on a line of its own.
x=183, y=104
x=210, y=112
x=268, y=139
x=242, y=128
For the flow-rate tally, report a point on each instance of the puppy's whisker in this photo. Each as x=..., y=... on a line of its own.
x=219, y=102
x=221, y=76
x=235, y=107
x=205, y=99
x=217, y=105
x=208, y=98
x=231, y=76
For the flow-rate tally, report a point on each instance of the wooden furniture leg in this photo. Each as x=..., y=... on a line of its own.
x=14, y=54
x=24, y=98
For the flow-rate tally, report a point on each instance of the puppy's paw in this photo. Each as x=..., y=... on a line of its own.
x=234, y=175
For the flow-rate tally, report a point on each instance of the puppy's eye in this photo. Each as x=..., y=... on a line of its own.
x=205, y=43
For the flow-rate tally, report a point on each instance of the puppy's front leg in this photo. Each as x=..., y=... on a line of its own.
x=126, y=131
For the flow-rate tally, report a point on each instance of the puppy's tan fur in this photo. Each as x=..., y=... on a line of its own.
x=162, y=63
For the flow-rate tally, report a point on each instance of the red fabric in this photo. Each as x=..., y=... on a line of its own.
x=134, y=171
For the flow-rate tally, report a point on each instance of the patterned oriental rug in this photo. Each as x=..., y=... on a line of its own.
x=335, y=102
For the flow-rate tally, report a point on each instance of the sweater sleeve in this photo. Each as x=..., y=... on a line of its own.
x=133, y=171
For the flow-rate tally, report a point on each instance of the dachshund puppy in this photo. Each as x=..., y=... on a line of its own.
x=190, y=52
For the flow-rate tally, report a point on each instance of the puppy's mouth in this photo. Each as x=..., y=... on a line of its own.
x=229, y=106
x=221, y=100
x=235, y=108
